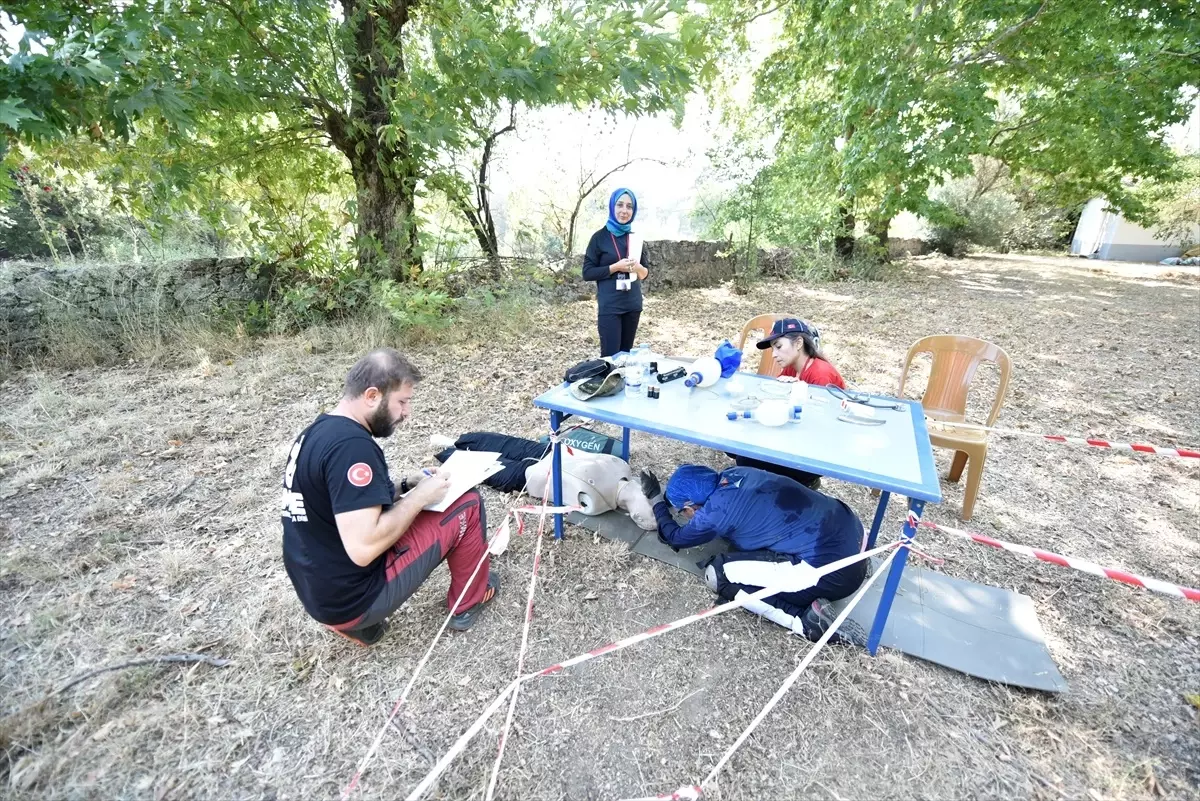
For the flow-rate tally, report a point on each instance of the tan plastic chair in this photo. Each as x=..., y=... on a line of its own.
x=955, y=360
x=763, y=322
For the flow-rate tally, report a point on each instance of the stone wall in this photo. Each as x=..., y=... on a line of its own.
x=901, y=248
x=34, y=296
x=680, y=265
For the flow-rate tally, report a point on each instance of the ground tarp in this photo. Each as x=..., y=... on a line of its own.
x=983, y=631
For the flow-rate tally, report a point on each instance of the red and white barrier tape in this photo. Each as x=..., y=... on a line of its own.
x=500, y=540
x=362, y=766
x=1138, y=447
x=550, y=510
x=1157, y=585
x=789, y=681
x=460, y=744
x=512, y=705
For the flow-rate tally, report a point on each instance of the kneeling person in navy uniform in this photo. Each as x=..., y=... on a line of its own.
x=771, y=522
x=354, y=550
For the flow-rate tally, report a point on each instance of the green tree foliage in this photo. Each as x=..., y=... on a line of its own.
x=395, y=87
x=876, y=102
x=1173, y=206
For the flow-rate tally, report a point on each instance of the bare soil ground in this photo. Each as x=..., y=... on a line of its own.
x=138, y=516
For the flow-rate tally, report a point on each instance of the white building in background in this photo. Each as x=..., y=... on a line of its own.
x=1102, y=233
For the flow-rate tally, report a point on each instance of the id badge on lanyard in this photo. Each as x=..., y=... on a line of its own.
x=626, y=283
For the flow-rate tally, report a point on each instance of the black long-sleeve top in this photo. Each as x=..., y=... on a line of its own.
x=603, y=250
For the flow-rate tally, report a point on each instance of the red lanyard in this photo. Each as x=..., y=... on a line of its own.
x=614, y=241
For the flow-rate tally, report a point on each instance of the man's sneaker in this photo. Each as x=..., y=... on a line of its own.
x=364, y=636
x=464, y=620
x=815, y=484
x=820, y=616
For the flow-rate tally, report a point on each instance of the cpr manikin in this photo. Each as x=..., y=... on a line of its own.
x=596, y=482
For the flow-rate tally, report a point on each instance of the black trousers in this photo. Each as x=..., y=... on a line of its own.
x=801, y=476
x=617, y=331
x=516, y=454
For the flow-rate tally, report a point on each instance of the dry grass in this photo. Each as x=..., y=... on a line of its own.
x=138, y=516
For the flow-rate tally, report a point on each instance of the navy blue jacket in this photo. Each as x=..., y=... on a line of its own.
x=756, y=510
x=600, y=255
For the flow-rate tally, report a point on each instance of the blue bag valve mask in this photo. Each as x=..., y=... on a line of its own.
x=729, y=357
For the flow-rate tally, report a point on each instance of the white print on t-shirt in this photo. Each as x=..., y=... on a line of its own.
x=293, y=502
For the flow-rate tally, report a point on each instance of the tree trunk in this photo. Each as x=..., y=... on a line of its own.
x=571, y=223
x=485, y=235
x=843, y=241
x=385, y=176
x=387, y=226
x=877, y=226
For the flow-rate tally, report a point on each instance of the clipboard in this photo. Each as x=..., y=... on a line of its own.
x=467, y=470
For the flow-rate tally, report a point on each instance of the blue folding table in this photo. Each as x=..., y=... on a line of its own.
x=893, y=457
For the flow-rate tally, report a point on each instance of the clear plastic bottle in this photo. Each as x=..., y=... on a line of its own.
x=635, y=372
x=647, y=356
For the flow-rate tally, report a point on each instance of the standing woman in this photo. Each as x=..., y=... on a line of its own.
x=618, y=274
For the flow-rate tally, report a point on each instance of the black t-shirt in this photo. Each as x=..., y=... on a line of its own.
x=334, y=466
x=603, y=250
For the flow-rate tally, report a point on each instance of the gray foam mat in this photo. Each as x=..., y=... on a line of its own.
x=618, y=526
x=986, y=632
x=982, y=631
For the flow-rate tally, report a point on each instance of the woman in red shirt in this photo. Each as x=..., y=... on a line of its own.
x=796, y=347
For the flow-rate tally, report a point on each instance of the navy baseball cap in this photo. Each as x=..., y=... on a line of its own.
x=788, y=325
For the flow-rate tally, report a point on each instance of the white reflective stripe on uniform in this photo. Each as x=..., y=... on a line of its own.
x=784, y=575
x=771, y=613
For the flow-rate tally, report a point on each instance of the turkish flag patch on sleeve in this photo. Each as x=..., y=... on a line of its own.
x=359, y=474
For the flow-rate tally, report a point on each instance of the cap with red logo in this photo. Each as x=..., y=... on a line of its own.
x=785, y=327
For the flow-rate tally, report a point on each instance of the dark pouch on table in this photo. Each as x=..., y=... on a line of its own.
x=592, y=368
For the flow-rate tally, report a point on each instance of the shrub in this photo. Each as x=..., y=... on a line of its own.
x=962, y=216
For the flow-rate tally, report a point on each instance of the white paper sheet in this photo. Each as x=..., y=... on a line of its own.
x=466, y=469
x=635, y=247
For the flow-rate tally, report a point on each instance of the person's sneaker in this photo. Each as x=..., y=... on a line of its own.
x=815, y=484
x=820, y=616
x=464, y=620
x=439, y=442
x=364, y=636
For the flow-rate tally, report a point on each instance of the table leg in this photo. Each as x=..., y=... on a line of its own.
x=879, y=510
x=893, y=581
x=625, y=444
x=556, y=472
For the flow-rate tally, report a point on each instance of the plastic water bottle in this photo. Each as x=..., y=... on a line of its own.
x=635, y=372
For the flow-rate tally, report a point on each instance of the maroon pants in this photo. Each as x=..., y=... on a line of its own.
x=457, y=535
